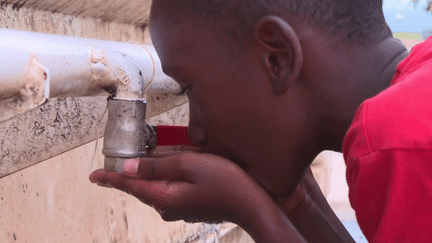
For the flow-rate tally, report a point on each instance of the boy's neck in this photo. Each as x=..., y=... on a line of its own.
x=383, y=61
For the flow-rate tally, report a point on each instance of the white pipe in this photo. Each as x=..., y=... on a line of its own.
x=73, y=67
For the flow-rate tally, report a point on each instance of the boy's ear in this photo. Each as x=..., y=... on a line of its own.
x=282, y=53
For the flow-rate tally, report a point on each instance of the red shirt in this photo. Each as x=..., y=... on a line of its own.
x=388, y=152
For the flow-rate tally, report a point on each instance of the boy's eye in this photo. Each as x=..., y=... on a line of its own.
x=183, y=91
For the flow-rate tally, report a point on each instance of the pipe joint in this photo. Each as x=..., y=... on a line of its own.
x=127, y=135
x=119, y=74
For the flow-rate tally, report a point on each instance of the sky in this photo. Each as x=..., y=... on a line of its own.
x=404, y=16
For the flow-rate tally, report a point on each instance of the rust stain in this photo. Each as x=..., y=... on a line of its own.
x=30, y=95
x=35, y=82
x=99, y=70
x=98, y=56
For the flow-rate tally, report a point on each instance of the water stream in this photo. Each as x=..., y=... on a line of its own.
x=208, y=230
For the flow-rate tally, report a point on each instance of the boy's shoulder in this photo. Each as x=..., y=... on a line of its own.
x=400, y=117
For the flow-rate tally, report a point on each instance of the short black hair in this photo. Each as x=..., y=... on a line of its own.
x=350, y=21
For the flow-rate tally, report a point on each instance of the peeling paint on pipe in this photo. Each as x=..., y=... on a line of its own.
x=30, y=90
x=75, y=67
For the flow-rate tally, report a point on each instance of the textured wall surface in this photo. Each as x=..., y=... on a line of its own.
x=54, y=202
x=134, y=12
x=37, y=20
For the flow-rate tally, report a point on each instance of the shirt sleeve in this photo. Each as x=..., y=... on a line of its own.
x=390, y=189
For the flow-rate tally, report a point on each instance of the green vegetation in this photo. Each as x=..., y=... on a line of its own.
x=408, y=36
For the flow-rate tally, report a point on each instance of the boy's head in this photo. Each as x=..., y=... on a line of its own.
x=345, y=21
x=265, y=78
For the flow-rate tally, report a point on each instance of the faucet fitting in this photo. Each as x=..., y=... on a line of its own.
x=127, y=134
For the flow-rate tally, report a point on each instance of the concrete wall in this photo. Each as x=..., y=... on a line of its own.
x=36, y=20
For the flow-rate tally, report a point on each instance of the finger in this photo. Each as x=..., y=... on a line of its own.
x=157, y=192
x=161, y=195
x=153, y=193
x=130, y=167
x=170, y=168
x=164, y=151
x=109, y=179
x=98, y=176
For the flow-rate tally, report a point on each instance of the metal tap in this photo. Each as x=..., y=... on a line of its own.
x=127, y=134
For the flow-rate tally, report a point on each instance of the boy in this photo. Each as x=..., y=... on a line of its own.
x=272, y=83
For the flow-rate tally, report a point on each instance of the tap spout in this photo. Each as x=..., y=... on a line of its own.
x=126, y=134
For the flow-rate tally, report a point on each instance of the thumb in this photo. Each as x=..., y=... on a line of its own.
x=166, y=168
x=130, y=167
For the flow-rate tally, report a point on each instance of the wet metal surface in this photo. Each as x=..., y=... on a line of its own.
x=126, y=133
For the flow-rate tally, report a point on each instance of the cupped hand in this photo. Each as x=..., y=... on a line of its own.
x=183, y=184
